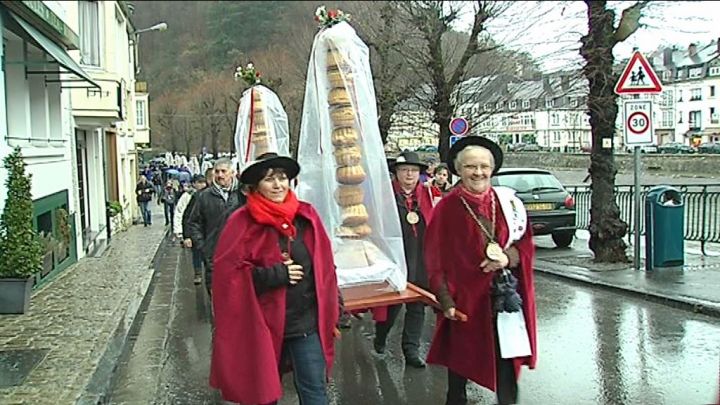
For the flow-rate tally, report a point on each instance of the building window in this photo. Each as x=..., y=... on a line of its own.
x=89, y=33
x=695, y=119
x=695, y=94
x=715, y=71
x=140, y=113
x=556, y=136
x=714, y=119
x=668, y=99
x=694, y=73
x=526, y=104
x=680, y=94
x=680, y=121
x=549, y=103
x=488, y=106
x=574, y=103
x=513, y=105
x=667, y=119
x=712, y=91
x=499, y=105
x=554, y=119
x=667, y=75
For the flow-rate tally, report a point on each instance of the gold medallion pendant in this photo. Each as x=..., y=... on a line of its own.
x=412, y=217
x=494, y=252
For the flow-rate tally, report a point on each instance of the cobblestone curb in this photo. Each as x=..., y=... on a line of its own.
x=581, y=275
x=82, y=318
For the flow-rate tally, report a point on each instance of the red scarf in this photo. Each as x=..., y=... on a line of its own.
x=278, y=215
x=483, y=201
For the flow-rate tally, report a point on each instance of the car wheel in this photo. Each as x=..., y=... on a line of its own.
x=563, y=239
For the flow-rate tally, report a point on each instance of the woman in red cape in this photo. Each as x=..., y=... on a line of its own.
x=275, y=294
x=461, y=276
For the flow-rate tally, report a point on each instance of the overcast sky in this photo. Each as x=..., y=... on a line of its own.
x=551, y=31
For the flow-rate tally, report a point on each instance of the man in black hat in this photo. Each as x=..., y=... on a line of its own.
x=183, y=210
x=415, y=208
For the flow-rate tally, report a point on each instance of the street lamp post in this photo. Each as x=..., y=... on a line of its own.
x=136, y=39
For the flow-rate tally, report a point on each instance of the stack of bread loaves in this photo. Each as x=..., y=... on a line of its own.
x=347, y=149
x=259, y=135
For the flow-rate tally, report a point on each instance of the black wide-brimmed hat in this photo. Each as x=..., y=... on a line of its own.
x=466, y=141
x=257, y=169
x=408, y=158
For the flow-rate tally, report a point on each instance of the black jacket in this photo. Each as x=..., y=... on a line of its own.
x=207, y=219
x=144, y=191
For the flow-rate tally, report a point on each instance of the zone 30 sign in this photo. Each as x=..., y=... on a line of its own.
x=638, y=123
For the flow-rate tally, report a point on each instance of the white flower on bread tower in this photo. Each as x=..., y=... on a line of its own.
x=262, y=122
x=339, y=149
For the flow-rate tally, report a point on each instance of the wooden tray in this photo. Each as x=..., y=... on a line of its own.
x=358, y=298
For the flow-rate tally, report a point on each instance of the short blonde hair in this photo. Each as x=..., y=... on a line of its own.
x=461, y=156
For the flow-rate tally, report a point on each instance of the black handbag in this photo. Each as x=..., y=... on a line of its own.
x=504, y=293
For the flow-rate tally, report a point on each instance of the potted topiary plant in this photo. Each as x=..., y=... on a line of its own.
x=19, y=244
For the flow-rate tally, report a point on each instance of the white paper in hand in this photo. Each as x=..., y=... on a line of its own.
x=513, y=335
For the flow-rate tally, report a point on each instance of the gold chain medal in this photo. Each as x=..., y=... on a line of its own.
x=412, y=217
x=494, y=252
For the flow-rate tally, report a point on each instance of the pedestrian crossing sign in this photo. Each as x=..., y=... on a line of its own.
x=638, y=77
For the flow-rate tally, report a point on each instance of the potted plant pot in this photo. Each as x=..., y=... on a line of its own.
x=15, y=295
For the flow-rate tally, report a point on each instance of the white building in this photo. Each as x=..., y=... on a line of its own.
x=105, y=119
x=691, y=78
x=36, y=116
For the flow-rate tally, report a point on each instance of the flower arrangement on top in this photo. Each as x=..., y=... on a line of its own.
x=249, y=74
x=328, y=18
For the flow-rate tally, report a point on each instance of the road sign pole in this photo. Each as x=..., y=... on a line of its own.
x=636, y=215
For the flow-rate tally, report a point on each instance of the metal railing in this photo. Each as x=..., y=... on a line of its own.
x=702, y=209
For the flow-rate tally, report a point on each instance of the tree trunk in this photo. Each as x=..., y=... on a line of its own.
x=606, y=228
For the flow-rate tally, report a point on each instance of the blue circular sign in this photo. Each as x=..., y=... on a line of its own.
x=458, y=126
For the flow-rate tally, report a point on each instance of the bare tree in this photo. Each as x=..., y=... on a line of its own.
x=444, y=69
x=166, y=107
x=606, y=228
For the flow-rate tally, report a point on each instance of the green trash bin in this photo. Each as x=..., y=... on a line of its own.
x=664, y=228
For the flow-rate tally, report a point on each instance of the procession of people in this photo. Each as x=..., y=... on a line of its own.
x=278, y=241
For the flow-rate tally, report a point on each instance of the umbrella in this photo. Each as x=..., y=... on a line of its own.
x=172, y=173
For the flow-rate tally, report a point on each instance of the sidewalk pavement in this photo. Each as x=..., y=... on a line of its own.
x=64, y=349
x=694, y=286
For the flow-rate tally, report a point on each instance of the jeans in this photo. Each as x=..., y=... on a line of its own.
x=145, y=211
x=412, y=332
x=158, y=191
x=308, y=361
x=197, y=261
x=170, y=215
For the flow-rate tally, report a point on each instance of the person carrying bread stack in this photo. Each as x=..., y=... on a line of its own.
x=262, y=123
x=338, y=145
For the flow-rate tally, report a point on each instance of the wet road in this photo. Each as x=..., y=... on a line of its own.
x=596, y=347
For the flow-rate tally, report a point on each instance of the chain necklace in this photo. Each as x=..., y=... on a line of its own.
x=493, y=251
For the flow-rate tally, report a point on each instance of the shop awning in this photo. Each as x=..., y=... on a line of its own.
x=59, y=54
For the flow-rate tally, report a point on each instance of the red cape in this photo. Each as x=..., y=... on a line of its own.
x=468, y=348
x=249, y=330
x=423, y=193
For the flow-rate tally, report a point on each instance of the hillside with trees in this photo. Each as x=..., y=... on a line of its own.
x=189, y=68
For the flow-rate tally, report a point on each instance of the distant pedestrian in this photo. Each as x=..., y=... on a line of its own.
x=169, y=199
x=157, y=182
x=275, y=293
x=439, y=184
x=182, y=216
x=143, y=194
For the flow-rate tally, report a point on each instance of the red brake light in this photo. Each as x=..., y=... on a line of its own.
x=569, y=202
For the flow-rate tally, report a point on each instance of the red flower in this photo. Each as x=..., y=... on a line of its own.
x=257, y=74
x=317, y=18
x=332, y=14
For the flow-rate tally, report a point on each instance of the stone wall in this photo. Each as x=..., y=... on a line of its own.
x=687, y=164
